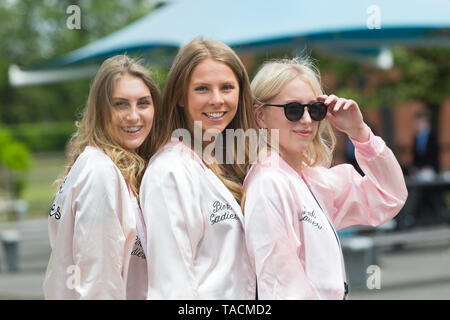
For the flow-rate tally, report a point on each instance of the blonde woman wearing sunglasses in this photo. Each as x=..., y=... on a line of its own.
x=294, y=201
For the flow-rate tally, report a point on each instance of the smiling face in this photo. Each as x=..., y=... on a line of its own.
x=294, y=137
x=132, y=112
x=212, y=95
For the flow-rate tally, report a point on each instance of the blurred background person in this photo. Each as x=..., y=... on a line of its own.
x=425, y=206
x=425, y=164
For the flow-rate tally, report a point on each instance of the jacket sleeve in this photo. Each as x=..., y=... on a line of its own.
x=370, y=200
x=272, y=244
x=100, y=199
x=170, y=201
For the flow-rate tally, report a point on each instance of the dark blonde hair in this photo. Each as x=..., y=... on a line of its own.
x=171, y=116
x=268, y=83
x=92, y=129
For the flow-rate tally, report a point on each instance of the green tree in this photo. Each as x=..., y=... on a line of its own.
x=15, y=160
x=32, y=32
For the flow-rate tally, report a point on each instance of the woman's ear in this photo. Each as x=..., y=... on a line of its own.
x=259, y=115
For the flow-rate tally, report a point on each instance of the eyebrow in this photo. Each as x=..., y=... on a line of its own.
x=203, y=83
x=311, y=101
x=125, y=99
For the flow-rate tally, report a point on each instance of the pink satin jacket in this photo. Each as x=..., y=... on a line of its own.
x=96, y=235
x=291, y=219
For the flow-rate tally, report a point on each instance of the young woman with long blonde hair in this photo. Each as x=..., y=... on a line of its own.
x=190, y=198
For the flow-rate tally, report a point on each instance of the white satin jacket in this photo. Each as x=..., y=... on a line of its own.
x=92, y=224
x=195, y=231
x=291, y=231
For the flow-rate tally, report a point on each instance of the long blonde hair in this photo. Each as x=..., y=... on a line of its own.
x=171, y=116
x=92, y=129
x=270, y=80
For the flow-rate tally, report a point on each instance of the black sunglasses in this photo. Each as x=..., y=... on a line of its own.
x=294, y=110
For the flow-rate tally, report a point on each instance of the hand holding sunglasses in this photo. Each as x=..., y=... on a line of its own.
x=345, y=115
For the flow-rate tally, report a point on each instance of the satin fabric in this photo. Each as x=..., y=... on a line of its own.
x=92, y=231
x=195, y=231
x=291, y=219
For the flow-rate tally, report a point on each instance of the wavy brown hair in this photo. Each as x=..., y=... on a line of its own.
x=92, y=129
x=171, y=116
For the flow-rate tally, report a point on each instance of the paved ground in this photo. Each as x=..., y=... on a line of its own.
x=412, y=273
x=420, y=273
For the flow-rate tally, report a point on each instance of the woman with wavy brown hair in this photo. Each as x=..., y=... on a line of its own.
x=96, y=228
x=191, y=198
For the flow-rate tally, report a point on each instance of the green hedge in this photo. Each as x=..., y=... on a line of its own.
x=43, y=136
